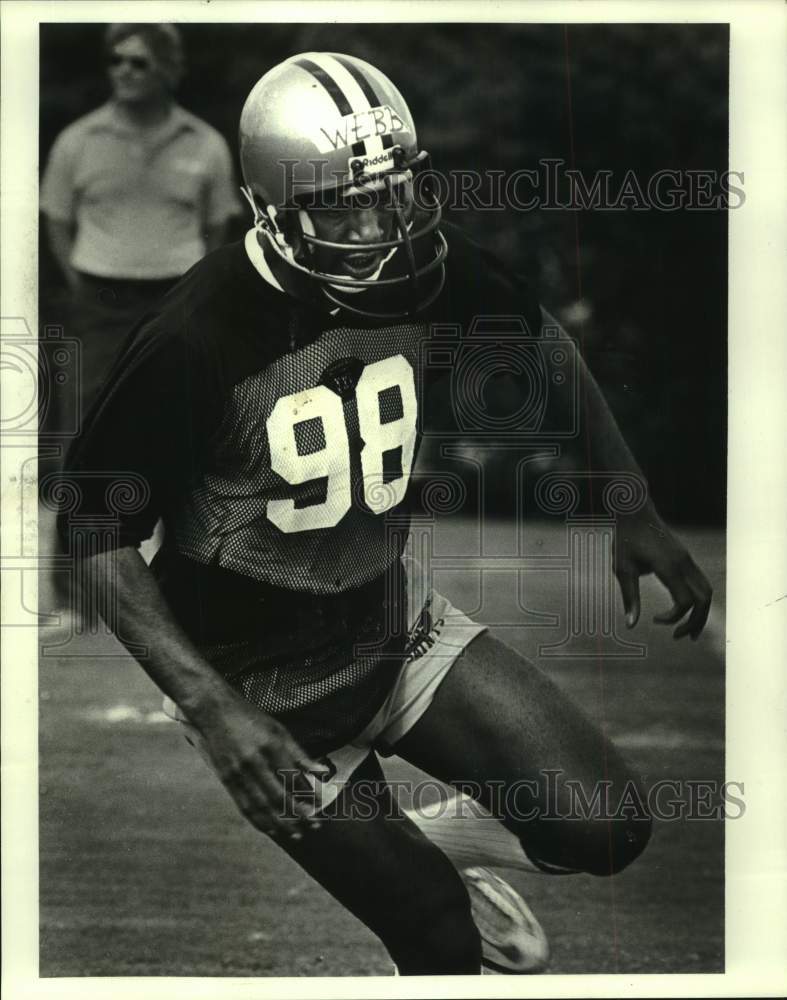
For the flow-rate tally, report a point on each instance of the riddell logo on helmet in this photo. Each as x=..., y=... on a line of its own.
x=360, y=164
x=357, y=127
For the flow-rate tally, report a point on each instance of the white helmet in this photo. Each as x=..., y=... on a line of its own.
x=329, y=126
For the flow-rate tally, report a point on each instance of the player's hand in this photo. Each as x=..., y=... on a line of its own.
x=644, y=544
x=261, y=766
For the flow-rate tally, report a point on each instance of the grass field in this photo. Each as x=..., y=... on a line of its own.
x=146, y=869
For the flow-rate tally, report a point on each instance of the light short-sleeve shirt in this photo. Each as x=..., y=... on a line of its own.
x=140, y=198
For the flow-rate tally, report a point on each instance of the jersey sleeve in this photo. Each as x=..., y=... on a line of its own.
x=142, y=442
x=58, y=196
x=484, y=298
x=484, y=290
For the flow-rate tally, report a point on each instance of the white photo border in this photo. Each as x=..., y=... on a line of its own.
x=756, y=844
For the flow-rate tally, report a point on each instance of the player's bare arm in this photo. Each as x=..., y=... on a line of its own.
x=644, y=543
x=250, y=750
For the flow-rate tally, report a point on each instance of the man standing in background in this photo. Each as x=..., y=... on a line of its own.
x=134, y=194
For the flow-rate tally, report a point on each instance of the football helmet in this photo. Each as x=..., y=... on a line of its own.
x=322, y=128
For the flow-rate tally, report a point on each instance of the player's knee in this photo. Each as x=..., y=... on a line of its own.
x=603, y=845
x=617, y=842
x=617, y=833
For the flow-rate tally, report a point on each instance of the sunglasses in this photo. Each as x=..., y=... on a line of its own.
x=138, y=63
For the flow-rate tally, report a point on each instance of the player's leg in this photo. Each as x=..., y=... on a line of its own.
x=498, y=722
x=375, y=862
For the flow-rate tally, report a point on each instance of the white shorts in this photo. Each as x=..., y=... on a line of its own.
x=441, y=634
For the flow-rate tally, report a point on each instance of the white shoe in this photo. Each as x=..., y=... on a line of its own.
x=513, y=941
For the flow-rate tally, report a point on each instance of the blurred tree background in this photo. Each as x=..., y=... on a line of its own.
x=645, y=292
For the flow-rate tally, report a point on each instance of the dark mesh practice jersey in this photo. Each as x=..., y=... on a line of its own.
x=277, y=442
x=311, y=450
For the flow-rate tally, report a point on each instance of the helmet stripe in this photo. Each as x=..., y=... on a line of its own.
x=367, y=88
x=335, y=91
x=356, y=94
x=329, y=83
x=360, y=79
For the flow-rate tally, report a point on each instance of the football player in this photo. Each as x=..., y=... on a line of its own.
x=268, y=411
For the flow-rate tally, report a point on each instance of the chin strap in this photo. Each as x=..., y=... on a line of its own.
x=269, y=227
x=267, y=223
x=307, y=226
